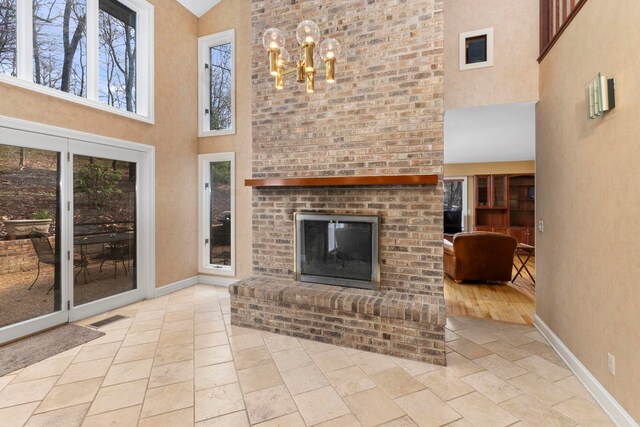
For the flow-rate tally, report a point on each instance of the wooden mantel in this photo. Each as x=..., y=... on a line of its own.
x=344, y=181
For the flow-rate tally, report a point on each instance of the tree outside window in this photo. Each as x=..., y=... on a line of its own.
x=453, y=195
x=221, y=87
x=8, y=37
x=117, y=57
x=60, y=45
x=86, y=48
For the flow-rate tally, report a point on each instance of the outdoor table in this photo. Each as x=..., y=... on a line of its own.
x=96, y=239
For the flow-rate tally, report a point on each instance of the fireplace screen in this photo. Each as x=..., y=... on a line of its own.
x=337, y=250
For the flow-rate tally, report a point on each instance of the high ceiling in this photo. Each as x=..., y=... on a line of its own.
x=494, y=133
x=199, y=7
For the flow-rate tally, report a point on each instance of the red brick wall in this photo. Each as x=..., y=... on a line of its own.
x=17, y=256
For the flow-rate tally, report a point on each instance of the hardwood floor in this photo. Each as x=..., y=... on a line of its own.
x=509, y=302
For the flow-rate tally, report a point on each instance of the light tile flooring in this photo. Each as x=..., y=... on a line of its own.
x=176, y=361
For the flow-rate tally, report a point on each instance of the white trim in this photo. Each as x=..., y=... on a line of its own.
x=144, y=60
x=24, y=63
x=462, y=49
x=216, y=281
x=93, y=53
x=34, y=127
x=204, y=213
x=104, y=305
x=608, y=403
x=175, y=286
x=204, y=44
x=31, y=326
x=145, y=83
x=151, y=221
x=14, y=81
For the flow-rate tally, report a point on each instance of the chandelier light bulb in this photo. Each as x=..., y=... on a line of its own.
x=273, y=39
x=307, y=32
x=330, y=49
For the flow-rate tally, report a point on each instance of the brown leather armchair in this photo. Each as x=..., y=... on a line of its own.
x=479, y=256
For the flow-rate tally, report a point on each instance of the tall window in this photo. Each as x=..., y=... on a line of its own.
x=8, y=37
x=217, y=213
x=99, y=50
x=117, y=55
x=217, y=84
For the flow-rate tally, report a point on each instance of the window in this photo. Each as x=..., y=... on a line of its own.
x=476, y=49
x=95, y=52
x=217, y=84
x=117, y=82
x=217, y=213
x=8, y=37
x=455, y=204
x=60, y=45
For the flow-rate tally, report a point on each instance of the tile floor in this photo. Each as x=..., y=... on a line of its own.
x=177, y=362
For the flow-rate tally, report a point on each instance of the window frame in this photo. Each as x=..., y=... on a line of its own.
x=204, y=96
x=488, y=33
x=204, y=213
x=144, y=60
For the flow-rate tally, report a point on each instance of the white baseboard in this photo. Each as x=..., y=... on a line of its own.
x=611, y=406
x=217, y=281
x=175, y=286
x=205, y=280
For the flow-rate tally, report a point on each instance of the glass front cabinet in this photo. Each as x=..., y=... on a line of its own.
x=506, y=204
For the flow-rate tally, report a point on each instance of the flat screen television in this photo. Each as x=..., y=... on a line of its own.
x=452, y=222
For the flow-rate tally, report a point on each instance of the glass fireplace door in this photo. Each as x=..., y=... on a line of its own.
x=339, y=250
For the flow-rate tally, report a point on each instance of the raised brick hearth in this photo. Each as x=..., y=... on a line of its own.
x=384, y=116
x=396, y=323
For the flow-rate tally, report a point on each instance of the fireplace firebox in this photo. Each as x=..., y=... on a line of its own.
x=340, y=250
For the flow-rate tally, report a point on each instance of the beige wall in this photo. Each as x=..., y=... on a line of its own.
x=587, y=258
x=226, y=15
x=173, y=135
x=470, y=170
x=514, y=75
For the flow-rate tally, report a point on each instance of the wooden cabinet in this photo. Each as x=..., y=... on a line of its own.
x=524, y=235
x=506, y=204
x=491, y=192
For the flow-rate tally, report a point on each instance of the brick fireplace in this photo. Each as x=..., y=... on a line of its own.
x=384, y=116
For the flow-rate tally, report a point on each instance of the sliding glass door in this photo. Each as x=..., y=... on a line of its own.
x=32, y=176
x=104, y=227
x=74, y=230
x=106, y=216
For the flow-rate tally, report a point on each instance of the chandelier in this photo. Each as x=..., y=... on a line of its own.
x=308, y=36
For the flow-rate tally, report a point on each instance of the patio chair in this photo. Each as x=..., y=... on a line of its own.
x=42, y=246
x=117, y=252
